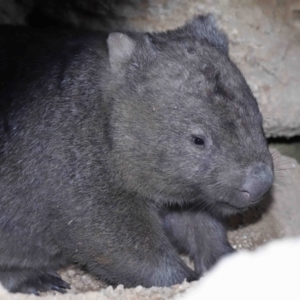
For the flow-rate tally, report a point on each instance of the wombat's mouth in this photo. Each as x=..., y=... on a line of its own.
x=229, y=208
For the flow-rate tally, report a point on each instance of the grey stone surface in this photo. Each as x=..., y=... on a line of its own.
x=286, y=191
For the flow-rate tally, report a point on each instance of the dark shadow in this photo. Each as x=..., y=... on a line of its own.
x=284, y=140
x=104, y=14
x=38, y=19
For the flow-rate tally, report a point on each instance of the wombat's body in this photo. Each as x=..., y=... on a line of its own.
x=117, y=149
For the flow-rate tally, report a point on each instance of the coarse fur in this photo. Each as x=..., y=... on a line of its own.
x=119, y=150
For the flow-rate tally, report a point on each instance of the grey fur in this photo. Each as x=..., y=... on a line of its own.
x=98, y=161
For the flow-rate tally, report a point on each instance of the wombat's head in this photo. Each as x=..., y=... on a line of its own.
x=185, y=125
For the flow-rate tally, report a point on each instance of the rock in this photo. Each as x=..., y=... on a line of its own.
x=286, y=205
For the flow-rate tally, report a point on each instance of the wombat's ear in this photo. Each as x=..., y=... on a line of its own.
x=204, y=27
x=120, y=49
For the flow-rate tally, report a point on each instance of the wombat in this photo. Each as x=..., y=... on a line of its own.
x=119, y=150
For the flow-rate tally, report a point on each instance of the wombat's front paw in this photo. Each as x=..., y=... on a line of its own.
x=42, y=283
x=204, y=261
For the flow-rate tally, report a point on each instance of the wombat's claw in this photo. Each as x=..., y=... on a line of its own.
x=43, y=283
x=59, y=285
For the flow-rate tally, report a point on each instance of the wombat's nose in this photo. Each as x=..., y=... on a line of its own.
x=257, y=182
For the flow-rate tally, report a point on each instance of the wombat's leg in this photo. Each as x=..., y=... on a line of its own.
x=199, y=235
x=32, y=281
x=128, y=246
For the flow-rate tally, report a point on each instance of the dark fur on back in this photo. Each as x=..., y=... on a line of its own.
x=117, y=150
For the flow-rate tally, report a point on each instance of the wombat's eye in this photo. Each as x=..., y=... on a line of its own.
x=198, y=141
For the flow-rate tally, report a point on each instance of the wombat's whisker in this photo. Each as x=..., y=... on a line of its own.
x=278, y=187
x=282, y=181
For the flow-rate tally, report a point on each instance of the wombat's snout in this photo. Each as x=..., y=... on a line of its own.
x=257, y=182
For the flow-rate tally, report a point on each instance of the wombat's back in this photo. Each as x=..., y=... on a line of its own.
x=51, y=129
